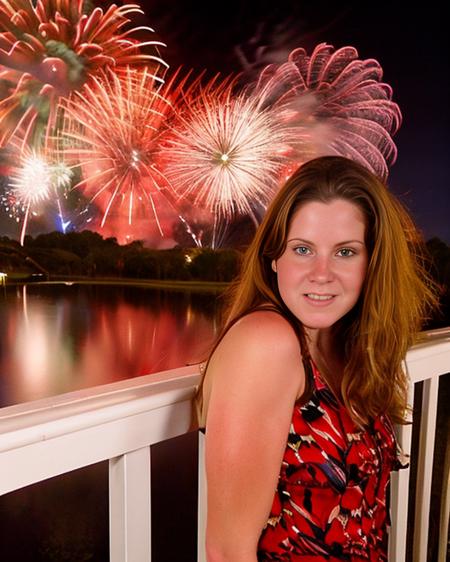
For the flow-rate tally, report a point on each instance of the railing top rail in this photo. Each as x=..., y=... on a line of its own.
x=437, y=333
x=430, y=356
x=440, y=335
x=125, y=397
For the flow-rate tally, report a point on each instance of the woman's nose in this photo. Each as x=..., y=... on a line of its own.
x=321, y=270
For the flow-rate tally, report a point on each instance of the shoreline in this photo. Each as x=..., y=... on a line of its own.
x=164, y=284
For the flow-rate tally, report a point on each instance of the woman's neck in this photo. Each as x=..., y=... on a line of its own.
x=321, y=342
x=328, y=356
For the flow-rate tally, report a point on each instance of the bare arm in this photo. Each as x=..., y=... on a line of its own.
x=256, y=373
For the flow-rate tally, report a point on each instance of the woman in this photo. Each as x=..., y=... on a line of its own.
x=300, y=392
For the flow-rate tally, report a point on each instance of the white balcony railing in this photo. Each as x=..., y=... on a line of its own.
x=120, y=421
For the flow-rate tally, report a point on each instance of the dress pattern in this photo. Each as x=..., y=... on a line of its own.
x=330, y=502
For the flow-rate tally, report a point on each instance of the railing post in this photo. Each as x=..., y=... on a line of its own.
x=201, y=535
x=445, y=506
x=399, y=505
x=130, y=507
x=425, y=468
x=400, y=491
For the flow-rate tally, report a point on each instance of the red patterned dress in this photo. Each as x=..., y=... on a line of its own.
x=330, y=502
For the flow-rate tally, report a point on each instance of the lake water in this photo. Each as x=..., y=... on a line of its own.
x=55, y=338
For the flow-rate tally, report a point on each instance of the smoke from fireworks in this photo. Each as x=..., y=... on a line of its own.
x=52, y=49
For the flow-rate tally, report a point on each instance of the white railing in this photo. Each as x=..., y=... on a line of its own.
x=116, y=422
x=426, y=362
x=120, y=421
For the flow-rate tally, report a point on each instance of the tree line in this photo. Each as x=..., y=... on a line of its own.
x=88, y=254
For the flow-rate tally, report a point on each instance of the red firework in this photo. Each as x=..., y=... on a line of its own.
x=112, y=130
x=51, y=50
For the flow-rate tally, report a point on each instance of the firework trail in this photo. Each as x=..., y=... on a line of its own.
x=343, y=93
x=226, y=152
x=50, y=50
x=112, y=130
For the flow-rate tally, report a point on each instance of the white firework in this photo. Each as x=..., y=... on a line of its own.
x=225, y=151
x=31, y=182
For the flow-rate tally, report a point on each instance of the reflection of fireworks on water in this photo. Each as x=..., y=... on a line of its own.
x=347, y=96
x=54, y=48
x=113, y=128
x=225, y=151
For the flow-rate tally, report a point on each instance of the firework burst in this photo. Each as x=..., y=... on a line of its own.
x=112, y=129
x=346, y=95
x=225, y=151
x=52, y=49
x=33, y=181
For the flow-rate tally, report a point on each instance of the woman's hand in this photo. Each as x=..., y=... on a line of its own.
x=256, y=375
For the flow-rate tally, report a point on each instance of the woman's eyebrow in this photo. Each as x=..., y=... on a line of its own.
x=343, y=243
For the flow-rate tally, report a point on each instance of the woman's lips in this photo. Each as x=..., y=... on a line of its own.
x=317, y=299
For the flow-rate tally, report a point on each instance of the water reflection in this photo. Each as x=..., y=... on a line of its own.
x=58, y=338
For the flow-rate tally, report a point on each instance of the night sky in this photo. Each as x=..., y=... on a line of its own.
x=408, y=43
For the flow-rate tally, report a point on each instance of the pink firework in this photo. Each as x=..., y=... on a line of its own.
x=112, y=130
x=226, y=152
x=51, y=50
x=346, y=95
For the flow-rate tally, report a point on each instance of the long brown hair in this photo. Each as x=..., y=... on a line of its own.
x=397, y=295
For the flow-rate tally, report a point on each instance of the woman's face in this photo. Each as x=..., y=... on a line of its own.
x=322, y=270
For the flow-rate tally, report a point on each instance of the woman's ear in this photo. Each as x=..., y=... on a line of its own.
x=274, y=265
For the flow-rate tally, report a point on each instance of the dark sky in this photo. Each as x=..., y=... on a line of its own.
x=408, y=42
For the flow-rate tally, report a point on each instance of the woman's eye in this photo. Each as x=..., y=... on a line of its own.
x=302, y=250
x=346, y=252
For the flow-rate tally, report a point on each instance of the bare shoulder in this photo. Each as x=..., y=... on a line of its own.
x=263, y=331
x=258, y=359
